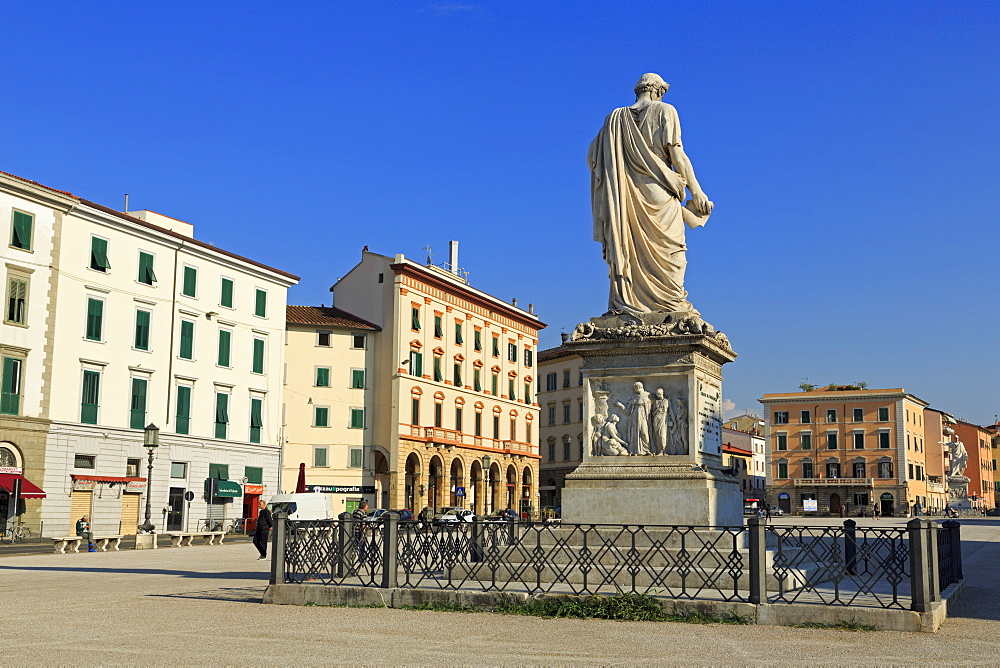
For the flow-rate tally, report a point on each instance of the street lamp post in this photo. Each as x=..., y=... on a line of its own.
x=151, y=441
x=486, y=484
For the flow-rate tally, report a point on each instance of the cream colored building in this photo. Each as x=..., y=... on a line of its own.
x=329, y=410
x=138, y=322
x=560, y=399
x=454, y=413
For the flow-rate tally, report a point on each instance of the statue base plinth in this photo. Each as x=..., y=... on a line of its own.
x=646, y=391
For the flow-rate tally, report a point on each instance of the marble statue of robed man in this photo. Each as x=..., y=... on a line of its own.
x=639, y=173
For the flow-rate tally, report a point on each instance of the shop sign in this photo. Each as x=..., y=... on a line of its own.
x=84, y=485
x=341, y=489
x=784, y=495
x=14, y=470
x=810, y=505
x=135, y=486
x=253, y=489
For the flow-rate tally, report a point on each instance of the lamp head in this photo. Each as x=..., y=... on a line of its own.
x=151, y=436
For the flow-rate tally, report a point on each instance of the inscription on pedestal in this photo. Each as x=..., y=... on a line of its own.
x=710, y=418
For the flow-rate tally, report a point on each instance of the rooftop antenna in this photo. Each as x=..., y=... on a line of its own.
x=430, y=258
x=126, y=203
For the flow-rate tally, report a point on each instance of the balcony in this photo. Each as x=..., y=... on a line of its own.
x=834, y=482
x=937, y=487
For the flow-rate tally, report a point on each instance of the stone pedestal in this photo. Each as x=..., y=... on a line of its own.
x=653, y=439
x=958, y=492
x=145, y=541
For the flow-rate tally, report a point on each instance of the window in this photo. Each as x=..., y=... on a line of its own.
x=258, y=356
x=831, y=441
x=579, y=411
x=10, y=386
x=566, y=444
x=858, y=470
x=226, y=293
x=859, y=441
x=437, y=414
x=495, y=385
x=579, y=380
x=20, y=235
x=833, y=469
x=178, y=470
x=322, y=376
x=565, y=413
x=527, y=393
x=358, y=379
x=510, y=389
x=357, y=418
x=415, y=411
x=254, y=474
x=496, y=427
x=458, y=418
x=17, y=300
x=321, y=416
x=831, y=415
x=438, y=375
x=783, y=470
x=218, y=471
x=496, y=346
x=260, y=303
x=552, y=449
x=511, y=352
x=477, y=341
x=782, y=441
x=458, y=333
x=189, y=287
x=438, y=332
x=137, y=416
x=320, y=457
x=95, y=319
x=477, y=383
x=146, y=274
x=457, y=374
x=225, y=339
x=883, y=439
x=256, y=419
x=513, y=429
x=416, y=363
x=806, y=417
x=141, y=339
x=566, y=378
x=187, y=340
x=132, y=467
x=885, y=469
x=84, y=461
x=807, y=470
x=90, y=395
x=99, y=254
x=479, y=424
x=883, y=415
x=859, y=415
x=550, y=382
x=221, y=414
x=183, y=409
x=358, y=341
x=323, y=339
x=357, y=458
x=780, y=417
x=528, y=357
x=552, y=414
x=415, y=318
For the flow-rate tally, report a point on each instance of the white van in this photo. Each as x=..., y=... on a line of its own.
x=307, y=506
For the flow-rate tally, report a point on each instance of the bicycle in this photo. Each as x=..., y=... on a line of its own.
x=16, y=532
x=236, y=527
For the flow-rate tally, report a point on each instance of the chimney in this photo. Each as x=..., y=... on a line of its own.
x=453, y=257
x=513, y=302
x=531, y=309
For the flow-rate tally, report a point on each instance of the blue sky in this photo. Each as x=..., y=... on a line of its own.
x=851, y=149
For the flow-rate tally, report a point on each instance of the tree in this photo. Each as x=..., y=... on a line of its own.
x=862, y=385
x=806, y=387
x=831, y=386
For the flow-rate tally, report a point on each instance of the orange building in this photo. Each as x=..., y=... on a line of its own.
x=978, y=443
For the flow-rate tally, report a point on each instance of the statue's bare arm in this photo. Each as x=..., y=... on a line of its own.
x=681, y=163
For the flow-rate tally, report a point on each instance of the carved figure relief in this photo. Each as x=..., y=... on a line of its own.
x=654, y=424
x=658, y=411
x=637, y=427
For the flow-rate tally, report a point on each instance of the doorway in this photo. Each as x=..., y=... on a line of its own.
x=785, y=503
x=835, y=506
x=175, y=509
x=886, y=505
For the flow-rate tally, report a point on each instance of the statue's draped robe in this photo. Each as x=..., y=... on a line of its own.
x=637, y=424
x=659, y=438
x=637, y=209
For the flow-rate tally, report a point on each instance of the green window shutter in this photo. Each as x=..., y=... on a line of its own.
x=91, y=392
x=458, y=333
x=322, y=376
x=319, y=457
x=254, y=475
x=437, y=327
x=477, y=340
x=256, y=419
x=438, y=376
x=358, y=379
x=493, y=385
x=527, y=358
x=527, y=393
x=258, y=356
x=99, y=254
x=357, y=456
x=227, y=293
x=187, y=340
x=496, y=346
x=221, y=414
x=17, y=296
x=357, y=418
x=510, y=390
x=218, y=471
x=10, y=386
x=457, y=379
x=419, y=363
x=321, y=416
x=137, y=416
x=95, y=319
x=415, y=318
x=146, y=274
x=260, y=305
x=21, y=234
x=142, y=330
x=183, y=409
x=477, y=383
x=225, y=339
x=190, y=286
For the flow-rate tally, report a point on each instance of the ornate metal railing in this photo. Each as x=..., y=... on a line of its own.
x=903, y=567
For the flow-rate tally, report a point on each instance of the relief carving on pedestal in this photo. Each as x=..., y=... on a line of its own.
x=644, y=424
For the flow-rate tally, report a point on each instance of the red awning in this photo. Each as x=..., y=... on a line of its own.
x=29, y=490
x=107, y=478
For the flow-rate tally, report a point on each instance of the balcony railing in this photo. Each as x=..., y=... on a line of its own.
x=835, y=482
x=450, y=437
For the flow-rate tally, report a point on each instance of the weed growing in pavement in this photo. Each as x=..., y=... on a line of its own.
x=625, y=607
x=380, y=604
x=440, y=607
x=839, y=626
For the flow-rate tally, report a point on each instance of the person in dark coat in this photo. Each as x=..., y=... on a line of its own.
x=263, y=530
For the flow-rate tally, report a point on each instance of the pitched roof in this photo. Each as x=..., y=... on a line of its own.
x=326, y=315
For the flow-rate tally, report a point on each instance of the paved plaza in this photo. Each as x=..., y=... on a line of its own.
x=201, y=605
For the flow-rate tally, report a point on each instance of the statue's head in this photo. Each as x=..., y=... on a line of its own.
x=651, y=83
x=659, y=393
x=596, y=420
x=637, y=387
x=613, y=418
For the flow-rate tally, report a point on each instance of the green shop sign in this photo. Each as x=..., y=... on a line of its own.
x=226, y=489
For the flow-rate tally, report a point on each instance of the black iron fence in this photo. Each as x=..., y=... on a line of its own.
x=846, y=565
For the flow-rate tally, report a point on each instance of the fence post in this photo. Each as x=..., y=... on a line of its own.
x=955, y=536
x=758, y=560
x=933, y=566
x=920, y=583
x=851, y=546
x=278, y=548
x=476, y=549
x=390, y=550
x=341, y=554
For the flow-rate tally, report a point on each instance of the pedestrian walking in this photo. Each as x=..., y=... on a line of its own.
x=767, y=513
x=359, y=517
x=875, y=510
x=83, y=530
x=263, y=529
